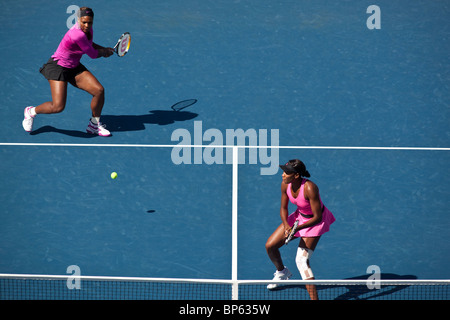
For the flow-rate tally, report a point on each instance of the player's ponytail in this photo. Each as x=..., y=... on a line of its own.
x=306, y=174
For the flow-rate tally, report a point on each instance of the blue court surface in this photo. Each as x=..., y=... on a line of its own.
x=312, y=70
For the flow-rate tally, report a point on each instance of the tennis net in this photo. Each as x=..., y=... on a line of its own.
x=45, y=287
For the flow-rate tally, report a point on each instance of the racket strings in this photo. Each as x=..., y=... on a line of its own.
x=123, y=45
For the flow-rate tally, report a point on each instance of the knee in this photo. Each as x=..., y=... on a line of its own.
x=99, y=90
x=58, y=107
x=270, y=246
x=302, y=261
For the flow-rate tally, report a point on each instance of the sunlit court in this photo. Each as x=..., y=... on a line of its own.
x=194, y=105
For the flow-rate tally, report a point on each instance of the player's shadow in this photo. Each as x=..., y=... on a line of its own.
x=121, y=123
x=359, y=292
x=71, y=133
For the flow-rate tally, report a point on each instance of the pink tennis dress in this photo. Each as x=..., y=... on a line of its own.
x=304, y=213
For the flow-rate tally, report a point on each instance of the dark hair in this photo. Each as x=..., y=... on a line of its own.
x=85, y=11
x=295, y=166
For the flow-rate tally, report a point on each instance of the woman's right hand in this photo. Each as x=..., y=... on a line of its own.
x=287, y=230
x=106, y=52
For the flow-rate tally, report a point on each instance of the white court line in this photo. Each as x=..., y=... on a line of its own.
x=234, y=235
x=218, y=146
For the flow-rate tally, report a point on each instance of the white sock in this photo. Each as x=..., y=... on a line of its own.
x=33, y=112
x=95, y=120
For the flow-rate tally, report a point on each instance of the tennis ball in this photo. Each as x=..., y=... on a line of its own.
x=113, y=175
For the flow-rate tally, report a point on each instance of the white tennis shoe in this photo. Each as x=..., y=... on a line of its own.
x=285, y=274
x=27, y=122
x=98, y=129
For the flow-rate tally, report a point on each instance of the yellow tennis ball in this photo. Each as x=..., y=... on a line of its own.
x=113, y=175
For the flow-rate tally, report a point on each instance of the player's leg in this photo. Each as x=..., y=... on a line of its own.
x=305, y=250
x=88, y=82
x=57, y=105
x=59, y=97
x=273, y=244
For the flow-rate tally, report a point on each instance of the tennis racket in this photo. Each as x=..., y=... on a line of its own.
x=291, y=232
x=123, y=44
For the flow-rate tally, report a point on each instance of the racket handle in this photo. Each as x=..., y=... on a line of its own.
x=291, y=233
x=288, y=239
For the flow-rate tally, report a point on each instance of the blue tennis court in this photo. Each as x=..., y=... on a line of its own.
x=366, y=110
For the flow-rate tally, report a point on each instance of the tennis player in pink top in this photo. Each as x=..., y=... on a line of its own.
x=64, y=67
x=314, y=220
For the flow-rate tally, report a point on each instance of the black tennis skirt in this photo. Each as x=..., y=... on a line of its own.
x=53, y=71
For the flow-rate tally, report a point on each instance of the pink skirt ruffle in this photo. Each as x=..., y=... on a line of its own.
x=316, y=230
